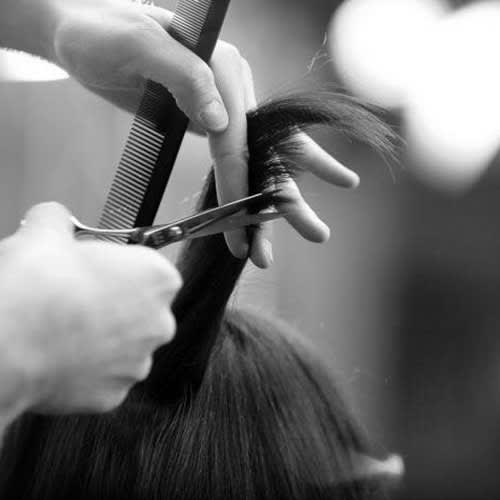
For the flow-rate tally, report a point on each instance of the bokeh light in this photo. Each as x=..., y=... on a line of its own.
x=375, y=43
x=439, y=67
x=453, y=100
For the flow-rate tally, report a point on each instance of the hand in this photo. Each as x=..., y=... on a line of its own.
x=113, y=46
x=230, y=152
x=80, y=319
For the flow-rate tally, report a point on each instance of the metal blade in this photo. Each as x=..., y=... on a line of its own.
x=234, y=222
x=257, y=201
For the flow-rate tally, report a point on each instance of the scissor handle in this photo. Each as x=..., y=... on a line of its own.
x=83, y=230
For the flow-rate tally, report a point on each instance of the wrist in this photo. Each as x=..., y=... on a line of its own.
x=29, y=26
x=23, y=367
x=18, y=386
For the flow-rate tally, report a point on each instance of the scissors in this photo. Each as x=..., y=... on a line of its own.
x=221, y=219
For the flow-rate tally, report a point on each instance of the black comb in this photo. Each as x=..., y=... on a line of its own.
x=159, y=126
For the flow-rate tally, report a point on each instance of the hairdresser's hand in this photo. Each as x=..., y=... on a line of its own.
x=230, y=153
x=79, y=319
x=112, y=46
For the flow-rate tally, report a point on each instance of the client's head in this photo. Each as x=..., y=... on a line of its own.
x=237, y=406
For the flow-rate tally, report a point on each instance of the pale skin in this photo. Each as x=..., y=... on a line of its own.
x=76, y=330
x=112, y=47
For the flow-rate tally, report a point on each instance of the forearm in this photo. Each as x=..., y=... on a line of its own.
x=28, y=25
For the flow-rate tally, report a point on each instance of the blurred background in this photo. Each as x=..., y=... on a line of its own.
x=404, y=300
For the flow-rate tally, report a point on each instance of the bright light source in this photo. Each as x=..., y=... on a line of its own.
x=374, y=44
x=22, y=67
x=453, y=102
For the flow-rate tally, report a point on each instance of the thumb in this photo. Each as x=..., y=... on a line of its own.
x=50, y=217
x=188, y=78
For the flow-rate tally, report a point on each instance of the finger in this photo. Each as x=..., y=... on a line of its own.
x=248, y=85
x=162, y=16
x=137, y=268
x=129, y=99
x=131, y=369
x=48, y=218
x=317, y=161
x=229, y=149
x=163, y=59
x=250, y=98
x=162, y=324
x=261, y=253
x=144, y=368
x=107, y=398
x=301, y=216
x=157, y=272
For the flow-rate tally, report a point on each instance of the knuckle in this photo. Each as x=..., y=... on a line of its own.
x=155, y=268
x=135, y=33
x=110, y=400
x=201, y=80
x=228, y=51
x=51, y=205
x=169, y=327
x=144, y=369
x=164, y=275
x=226, y=58
x=119, y=397
x=46, y=210
x=229, y=55
x=165, y=328
x=104, y=405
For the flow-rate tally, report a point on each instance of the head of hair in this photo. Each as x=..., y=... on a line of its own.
x=236, y=406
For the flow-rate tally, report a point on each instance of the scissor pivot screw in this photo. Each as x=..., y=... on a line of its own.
x=176, y=232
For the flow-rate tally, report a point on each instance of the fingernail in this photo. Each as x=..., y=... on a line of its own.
x=244, y=251
x=354, y=180
x=240, y=251
x=214, y=116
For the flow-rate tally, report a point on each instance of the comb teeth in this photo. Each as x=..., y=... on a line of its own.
x=132, y=179
x=189, y=20
x=158, y=127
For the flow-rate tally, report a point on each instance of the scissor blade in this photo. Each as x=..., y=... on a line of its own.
x=215, y=220
x=233, y=222
x=213, y=215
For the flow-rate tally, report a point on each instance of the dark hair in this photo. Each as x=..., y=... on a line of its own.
x=236, y=406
